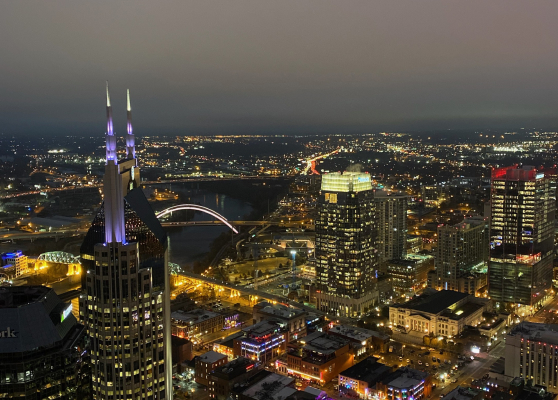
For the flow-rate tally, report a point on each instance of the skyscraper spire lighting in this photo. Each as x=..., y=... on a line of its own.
x=130, y=140
x=110, y=138
x=112, y=187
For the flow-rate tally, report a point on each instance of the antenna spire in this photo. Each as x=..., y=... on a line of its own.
x=110, y=138
x=130, y=140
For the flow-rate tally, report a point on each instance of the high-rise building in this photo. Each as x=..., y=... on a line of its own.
x=530, y=354
x=346, y=257
x=391, y=222
x=125, y=305
x=462, y=248
x=41, y=346
x=521, y=235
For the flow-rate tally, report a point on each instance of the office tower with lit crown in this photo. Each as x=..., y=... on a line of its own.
x=462, y=250
x=346, y=259
x=391, y=222
x=523, y=207
x=125, y=305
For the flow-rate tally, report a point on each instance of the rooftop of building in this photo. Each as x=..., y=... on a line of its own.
x=463, y=311
x=368, y=370
x=461, y=393
x=265, y=327
x=355, y=333
x=33, y=318
x=273, y=386
x=211, y=357
x=547, y=333
x=16, y=296
x=178, y=341
x=434, y=303
x=404, y=378
x=323, y=343
x=193, y=316
x=235, y=368
x=515, y=173
x=346, y=182
x=278, y=310
x=229, y=340
x=380, y=193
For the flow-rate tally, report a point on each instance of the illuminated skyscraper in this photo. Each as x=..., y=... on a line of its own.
x=391, y=222
x=346, y=259
x=462, y=250
x=523, y=203
x=125, y=306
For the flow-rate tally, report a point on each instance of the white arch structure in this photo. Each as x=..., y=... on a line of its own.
x=196, y=207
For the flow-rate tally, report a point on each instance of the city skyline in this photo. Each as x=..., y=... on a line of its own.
x=280, y=67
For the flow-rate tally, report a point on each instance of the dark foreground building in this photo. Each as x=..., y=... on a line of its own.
x=41, y=346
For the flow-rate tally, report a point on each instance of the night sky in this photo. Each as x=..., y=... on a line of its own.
x=263, y=66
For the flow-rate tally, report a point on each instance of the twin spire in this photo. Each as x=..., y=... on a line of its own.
x=111, y=138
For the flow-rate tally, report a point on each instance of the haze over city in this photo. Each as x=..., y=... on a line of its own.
x=284, y=67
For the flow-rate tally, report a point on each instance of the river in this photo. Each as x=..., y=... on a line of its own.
x=189, y=244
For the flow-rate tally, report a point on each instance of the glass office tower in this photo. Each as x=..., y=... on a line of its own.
x=523, y=203
x=346, y=257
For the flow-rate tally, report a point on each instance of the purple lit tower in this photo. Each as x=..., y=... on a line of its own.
x=130, y=141
x=112, y=187
x=125, y=306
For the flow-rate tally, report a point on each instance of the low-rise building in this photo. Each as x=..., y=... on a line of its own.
x=406, y=383
x=194, y=323
x=270, y=387
x=15, y=261
x=360, y=379
x=224, y=378
x=532, y=354
x=182, y=350
x=263, y=341
x=226, y=345
x=319, y=357
x=364, y=340
x=206, y=364
x=294, y=319
x=442, y=313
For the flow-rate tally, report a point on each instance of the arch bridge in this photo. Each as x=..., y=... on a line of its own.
x=196, y=207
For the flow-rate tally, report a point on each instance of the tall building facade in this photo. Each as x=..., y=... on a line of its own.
x=391, y=222
x=346, y=256
x=125, y=306
x=523, y=203
x=461, y=248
